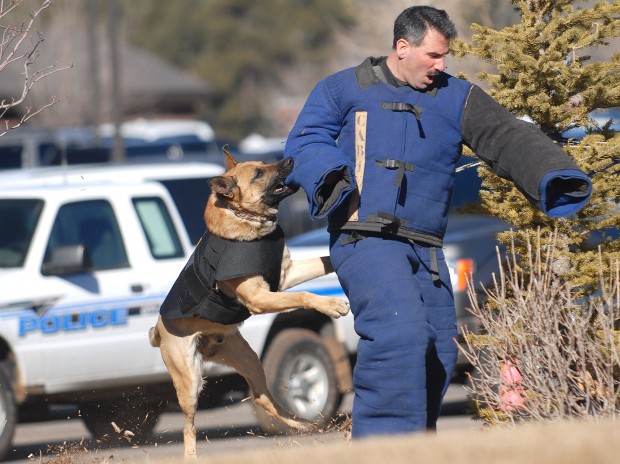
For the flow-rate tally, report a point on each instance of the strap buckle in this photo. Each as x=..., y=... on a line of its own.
x=387, y=219
x=393, y=164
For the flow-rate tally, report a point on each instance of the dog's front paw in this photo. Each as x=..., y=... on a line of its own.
x=334, y=307
x=343, y=307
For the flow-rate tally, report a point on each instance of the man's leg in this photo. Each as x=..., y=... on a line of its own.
x=391, y=320
x=442, y=356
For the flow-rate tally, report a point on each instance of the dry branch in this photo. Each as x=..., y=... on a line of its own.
x=14, y=49
x=543, y=355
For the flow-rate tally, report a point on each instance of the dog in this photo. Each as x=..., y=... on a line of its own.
x=200, y=318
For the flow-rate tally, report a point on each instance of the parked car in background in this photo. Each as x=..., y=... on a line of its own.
x=258, y=147
x=164, y=139
x=145, y=140
x=26, y=147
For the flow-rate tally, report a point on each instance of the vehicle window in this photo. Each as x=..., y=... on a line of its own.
x=92, y=224
x=190, y=197
x=160, y=232
x=19, y=219
x=50, y=155
x=10, y=156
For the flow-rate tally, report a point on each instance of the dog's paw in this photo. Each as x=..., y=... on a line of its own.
x=335, y=307
x=343, y=307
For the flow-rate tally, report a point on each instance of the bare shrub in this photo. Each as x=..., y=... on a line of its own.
x=541, y=354
x=20, y=47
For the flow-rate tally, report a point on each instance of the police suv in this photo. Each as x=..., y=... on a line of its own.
x=87, y=255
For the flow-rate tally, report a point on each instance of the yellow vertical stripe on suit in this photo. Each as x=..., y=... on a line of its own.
x=361, y=118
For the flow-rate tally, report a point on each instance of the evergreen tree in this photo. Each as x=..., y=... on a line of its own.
x=545, y=73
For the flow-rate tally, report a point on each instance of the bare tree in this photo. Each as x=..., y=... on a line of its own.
x=20, y=46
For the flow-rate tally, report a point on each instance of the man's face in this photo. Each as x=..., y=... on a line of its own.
x=419, y=65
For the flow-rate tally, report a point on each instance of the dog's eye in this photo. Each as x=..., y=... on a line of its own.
x=259, y=174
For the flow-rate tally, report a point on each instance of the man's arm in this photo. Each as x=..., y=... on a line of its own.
x=321, y=168
x=518, y=151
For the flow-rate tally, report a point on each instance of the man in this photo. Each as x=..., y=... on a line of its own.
x=375, y=148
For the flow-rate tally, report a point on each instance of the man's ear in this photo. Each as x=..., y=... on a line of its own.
x=229, y=161
x=223, y=185
x=402, y=48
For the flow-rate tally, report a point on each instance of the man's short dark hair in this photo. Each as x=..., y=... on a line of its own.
x=413, y=23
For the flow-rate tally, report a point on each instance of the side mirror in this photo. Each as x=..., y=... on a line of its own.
x=68, y=259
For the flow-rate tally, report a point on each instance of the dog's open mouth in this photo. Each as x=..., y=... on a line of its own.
x=279, y=192
x=281, y=188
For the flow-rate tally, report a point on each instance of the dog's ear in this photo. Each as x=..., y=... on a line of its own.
x=223, y=185
x=229, y=161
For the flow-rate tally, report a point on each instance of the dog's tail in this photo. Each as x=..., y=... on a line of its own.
x=154, y=337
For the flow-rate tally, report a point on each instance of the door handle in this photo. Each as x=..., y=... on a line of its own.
x=137, y=288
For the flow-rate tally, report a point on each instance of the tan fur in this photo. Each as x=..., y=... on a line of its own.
x=236, y=210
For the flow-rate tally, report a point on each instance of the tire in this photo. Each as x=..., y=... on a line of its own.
x=301, y=376
x=134, y=419
x=8, y=410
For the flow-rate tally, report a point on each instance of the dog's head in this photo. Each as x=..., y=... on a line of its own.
x=252, y=190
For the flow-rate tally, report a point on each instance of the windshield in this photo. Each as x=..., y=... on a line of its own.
x=18, y=219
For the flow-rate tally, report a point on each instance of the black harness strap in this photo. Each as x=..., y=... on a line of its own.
x=403, y=107
x=392, y=164
x=434, y=270
x=406, y=107
x=354, y=237
x=390, y=220
x=387, y=219
x=387, y=223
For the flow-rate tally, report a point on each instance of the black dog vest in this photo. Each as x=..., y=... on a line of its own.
x=194, y=293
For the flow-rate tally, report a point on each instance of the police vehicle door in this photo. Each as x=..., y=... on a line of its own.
x=99, y=329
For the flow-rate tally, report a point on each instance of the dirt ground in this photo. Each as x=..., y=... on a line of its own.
x=560, y=442
x=566, y=443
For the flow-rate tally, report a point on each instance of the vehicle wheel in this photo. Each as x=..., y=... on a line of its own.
x=8, y=410
x=134, y=419
x=301, y=376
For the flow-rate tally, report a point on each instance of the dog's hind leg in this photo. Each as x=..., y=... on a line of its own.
x=184, y=362
x=236, y=353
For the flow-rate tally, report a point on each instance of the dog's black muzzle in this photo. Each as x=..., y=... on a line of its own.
x=285, y=167
x=278, y=191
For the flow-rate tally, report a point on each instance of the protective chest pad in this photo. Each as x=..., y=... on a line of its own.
x=194, y=294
